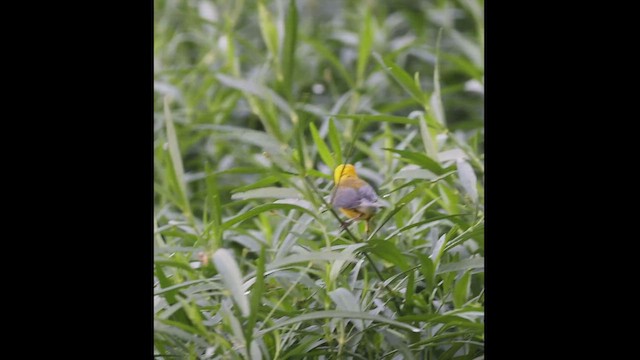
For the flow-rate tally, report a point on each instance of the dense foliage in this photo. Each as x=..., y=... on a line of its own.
x=255, y=104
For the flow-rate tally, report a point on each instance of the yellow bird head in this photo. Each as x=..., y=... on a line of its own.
x=344, y=170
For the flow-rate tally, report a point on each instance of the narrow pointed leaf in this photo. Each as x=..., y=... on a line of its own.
x=340, y=315
x=232, y=278
x=321, y=146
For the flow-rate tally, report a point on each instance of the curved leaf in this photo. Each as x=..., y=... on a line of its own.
x=232, y=278
x=267, y=192
x=330, y=314
x=262, y=208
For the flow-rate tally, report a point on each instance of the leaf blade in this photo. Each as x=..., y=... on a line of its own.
x=321, y=146
x=176, y=157
x=268, y=192
x=232, y=278
x=289, y=48
x=420, y=159
x=330, y=314
x=377, y=117
x=461, y=289
x=402, y=78
x=334, y=139
x=364, y=50
x=262, y=208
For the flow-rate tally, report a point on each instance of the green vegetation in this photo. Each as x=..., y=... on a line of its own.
x=255, y=103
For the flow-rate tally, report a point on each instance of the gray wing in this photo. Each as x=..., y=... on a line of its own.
x=347, y=198
x=366, y=192
x=350, y=198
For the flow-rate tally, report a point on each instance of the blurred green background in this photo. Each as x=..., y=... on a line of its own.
x=255, y=103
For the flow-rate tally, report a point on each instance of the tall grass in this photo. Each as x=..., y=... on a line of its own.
x=255, y=103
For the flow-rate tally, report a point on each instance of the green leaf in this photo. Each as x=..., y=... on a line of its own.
x=232, y=60
x=427, y=137
x=310, y=257
x=402, y=78
x=321, y=146
x=176, y=158
x=465, y=264
x=377, y=118
x=274, y=150
x=398, y=343
x=299, y=229
x=165, y=284
x=420, y=223
x=210, y=286
x=423, y=174
x=258, y=90
x=468, y=47
x=436, y=109
x=448, y=319
x=450, y=198
x=301, y=147
x=464, y=65
x=213, y=196
x=306, y=344
x=333, y=60
x=461, y=289
x=452, y=154
x=256, y=293
x=388, y=251
x=410, y=196
x=268, y=28
x=232, y=278
x=334, y=139
x=318, y=174
x=438, y=250
x=289, y=48
x=408, y=299
x=258, y=184
x=262, y=208
x=339, y=315
x=336, y=267
x=364, y=50
x=245, y=170
x=255, y=352
x=265, y=111
x=172, y=263
x=266, y=193
x=345, y=301
x=237, y=334
x=427, y=268
x=244, y=135
x=180, y=330
x=476, y=230
x=468, y=179
x=419, y=159
x=412, y=174
x=449, y=353
x=195, y=317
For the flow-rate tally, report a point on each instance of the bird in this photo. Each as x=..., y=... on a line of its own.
x=353, y=196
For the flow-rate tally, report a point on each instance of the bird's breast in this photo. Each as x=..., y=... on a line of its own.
x=354, y=183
